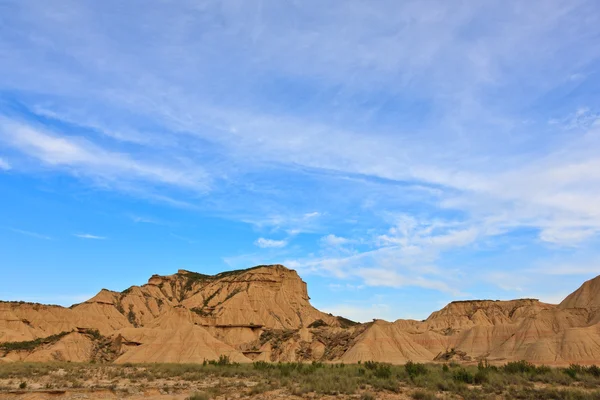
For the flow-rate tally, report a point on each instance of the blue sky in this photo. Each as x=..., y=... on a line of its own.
x=398, y=154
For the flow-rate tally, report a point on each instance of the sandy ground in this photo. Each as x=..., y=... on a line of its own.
x=155, y=394
x=161, y=389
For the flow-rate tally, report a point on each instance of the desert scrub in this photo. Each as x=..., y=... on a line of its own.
x=415, y=369
x=131, y=317
x=32, y=344
x=198, y=396
x=519, y=381
x=423, y=395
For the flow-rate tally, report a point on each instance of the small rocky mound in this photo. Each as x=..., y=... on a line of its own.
x=587, y=296
x=453, y=355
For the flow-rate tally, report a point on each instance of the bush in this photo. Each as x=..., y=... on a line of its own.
x=223, y=360
x=543, y=369
x=383, y=372
x=94, y=334
x=286, y=369
x=415, y=369
x=23, y=385
x=371, y=365
x=462, y=375
x=32, y=344
x=594, y=371
x=481, y=377
x=519, y=367
x=572, y=371
x=317, y=324
x=262, y=365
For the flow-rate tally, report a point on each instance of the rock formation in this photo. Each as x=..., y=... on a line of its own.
x=264, y=313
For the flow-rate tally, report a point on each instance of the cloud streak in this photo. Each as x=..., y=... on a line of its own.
x=31, y=234
x=394, y=143
x=80, y=156
x=270, y=243
x=4, y=165
x=89, y=236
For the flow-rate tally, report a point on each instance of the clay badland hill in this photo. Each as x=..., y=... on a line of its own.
x=264, y=313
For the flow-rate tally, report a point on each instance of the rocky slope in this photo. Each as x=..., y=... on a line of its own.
x=264, y=313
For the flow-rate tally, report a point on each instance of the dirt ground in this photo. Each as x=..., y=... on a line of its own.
x=166, y=389
x=182, y=394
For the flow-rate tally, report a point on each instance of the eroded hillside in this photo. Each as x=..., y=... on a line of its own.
x=264, y=313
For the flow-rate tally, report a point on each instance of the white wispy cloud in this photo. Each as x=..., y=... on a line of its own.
x=593, y=268
x=407, y=118
x=32, y=234
x=4, y=165
x=144, y=219
x=270, y=243
x=184, y=238
x=80, y=156
x=89, y=236
x=333, y=240
x=347, y=286
x=313, y=214
x=292, y=223
x=384, y=267
x=362, y=313
x=287, y=139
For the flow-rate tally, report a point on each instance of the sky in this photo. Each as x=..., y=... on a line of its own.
x=398, y=154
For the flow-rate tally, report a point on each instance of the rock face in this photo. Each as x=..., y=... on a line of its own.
x=264, y=313
x=586, y=297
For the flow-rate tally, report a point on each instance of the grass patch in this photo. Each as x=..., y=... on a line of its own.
x=32, y=344
x=367, y=380
x=318, y=323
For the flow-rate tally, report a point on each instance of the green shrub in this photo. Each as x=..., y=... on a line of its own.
x=481, y=377
x=262, y=365
x=23, y=385
x=462, y=375
x=383, y=371
x=223, y=360
x=317, y=324
x=32, y=344
x=572, y=371
x=131, y=317
x=286, y=369
x=372, y=365
x=415, y=369
x=543, y=369
x=594, y=371
x=94, y=334
x=519, y=367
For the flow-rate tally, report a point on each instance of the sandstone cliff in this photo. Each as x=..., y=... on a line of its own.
x=264, y=313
